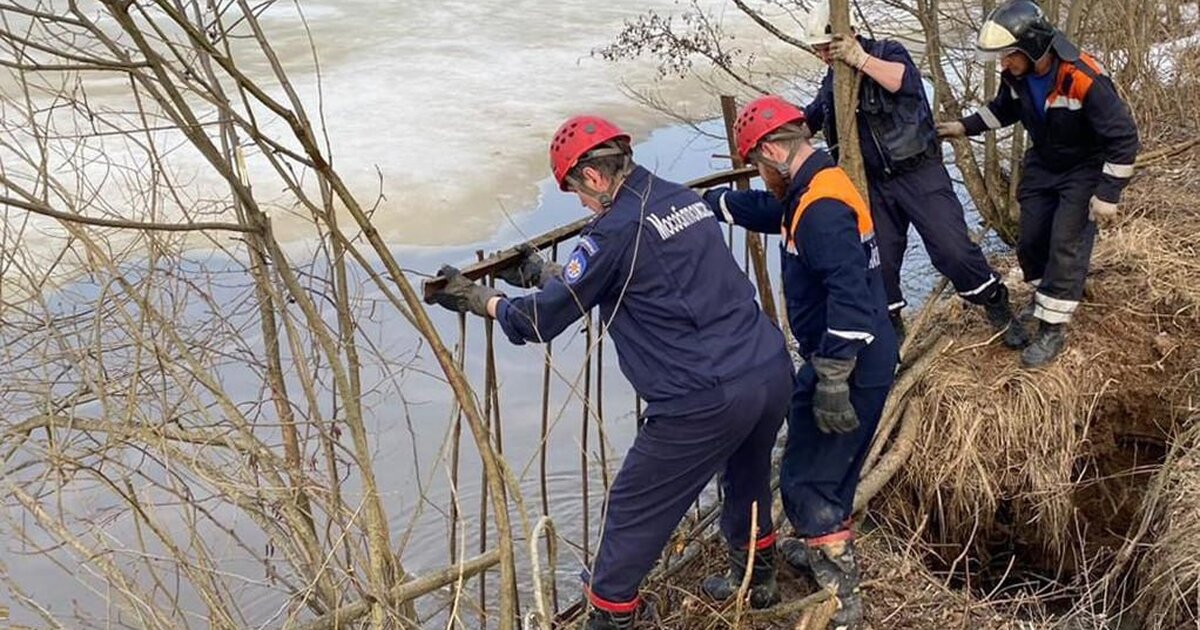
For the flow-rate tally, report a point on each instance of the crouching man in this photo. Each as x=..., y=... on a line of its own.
x=690, y=337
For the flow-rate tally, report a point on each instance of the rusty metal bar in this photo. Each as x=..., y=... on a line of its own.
x=583, y=449
x=600, y=405
x=506, y=257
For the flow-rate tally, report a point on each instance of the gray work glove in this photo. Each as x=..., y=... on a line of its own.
x=530, y=270
x=461, y=295
x=952, y=129
x=831, y=403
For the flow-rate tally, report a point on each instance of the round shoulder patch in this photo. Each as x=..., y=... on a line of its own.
x=575, y=267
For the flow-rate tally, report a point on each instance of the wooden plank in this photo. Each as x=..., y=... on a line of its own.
x=506, y=257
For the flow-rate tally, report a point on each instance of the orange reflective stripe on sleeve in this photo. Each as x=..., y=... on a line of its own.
x=834, y=183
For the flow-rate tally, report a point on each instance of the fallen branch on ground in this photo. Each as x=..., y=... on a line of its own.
x=346, y=615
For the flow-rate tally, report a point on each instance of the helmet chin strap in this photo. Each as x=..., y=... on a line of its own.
x=605, y=197
x=784, y=167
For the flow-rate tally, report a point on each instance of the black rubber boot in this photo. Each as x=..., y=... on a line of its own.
x=898, y=326
x=795, y=555
x=1000, y=316
x=604, y=620
x=1046, y=345
x=835, y=568
x=764, y=591
x=1025, y=315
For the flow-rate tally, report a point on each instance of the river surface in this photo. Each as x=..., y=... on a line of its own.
x=452, y=104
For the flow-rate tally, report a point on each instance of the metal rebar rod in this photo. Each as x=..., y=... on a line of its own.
x=583, y=450
x=505, y=258
x=600, y=408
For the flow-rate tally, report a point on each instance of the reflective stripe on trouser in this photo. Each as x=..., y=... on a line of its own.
x=925, y=199
x=1056, y=235
x=819, y=473
x=670, y=462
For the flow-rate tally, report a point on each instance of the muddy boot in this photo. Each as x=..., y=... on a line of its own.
x=1000, y=316
x=835, y=568
x=764, y=592
x=1046, y=345
x=795, y=555
x=605, y=620
x=1025, y=315
x=898, y=325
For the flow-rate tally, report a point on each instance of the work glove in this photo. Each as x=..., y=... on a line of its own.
x=952, y=129
x=461, y=295
x=831, y=403
x=530, y=270
x=845, y=48
x=1102, y=212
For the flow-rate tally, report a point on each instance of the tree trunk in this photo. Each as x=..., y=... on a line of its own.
x=845, y=99
x=964, y=155
x=1075, y=18
x=993, y=178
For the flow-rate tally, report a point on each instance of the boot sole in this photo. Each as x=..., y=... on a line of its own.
x=1040, y=364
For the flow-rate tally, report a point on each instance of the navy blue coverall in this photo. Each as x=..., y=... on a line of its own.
x=908, y=181
x=836, y=308
x=1083, y=142
x=692, y=341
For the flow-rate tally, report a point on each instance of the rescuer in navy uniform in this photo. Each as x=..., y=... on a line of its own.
x=1083, y=143
x=838, y=314
x=908, y=182
x=713, y=370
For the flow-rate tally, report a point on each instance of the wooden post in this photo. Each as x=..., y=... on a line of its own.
x=758, y=254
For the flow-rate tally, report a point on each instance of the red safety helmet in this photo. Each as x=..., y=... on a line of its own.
x=575, y=138
x=759, y=118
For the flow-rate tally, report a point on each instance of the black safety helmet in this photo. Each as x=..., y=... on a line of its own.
x=1015, y=25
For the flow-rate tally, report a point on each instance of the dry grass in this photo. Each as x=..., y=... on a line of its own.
x=998, y=436
x=1022, y=474
x=1016, y=456
x=900, y=594
x=1170, y=571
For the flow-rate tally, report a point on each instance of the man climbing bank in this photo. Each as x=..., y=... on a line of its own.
x=837, y=311
x=691, y=339
x=1083, y=145
x=908, y=183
